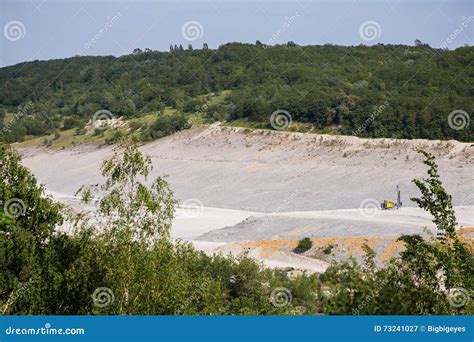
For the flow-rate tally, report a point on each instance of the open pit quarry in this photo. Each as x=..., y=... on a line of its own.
x=257, y=192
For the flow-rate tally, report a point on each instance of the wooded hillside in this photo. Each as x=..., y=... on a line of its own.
x=379, y=91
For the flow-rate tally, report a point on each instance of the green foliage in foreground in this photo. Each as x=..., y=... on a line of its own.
x=433, y=276
x=120, y=259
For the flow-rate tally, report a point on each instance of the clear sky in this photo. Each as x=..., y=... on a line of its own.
x=45, y=29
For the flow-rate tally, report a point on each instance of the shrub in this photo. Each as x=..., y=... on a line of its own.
x=116, y=137
x=165, y=125
x=99, y=132
x=304, y=245
x=71, y=122
x=328, y=249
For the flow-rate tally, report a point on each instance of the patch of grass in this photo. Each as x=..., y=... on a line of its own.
x=67, y=139
x=245, y=123
x=8, y=117
x=296, y=127
x=215, y=99
x=70, y=138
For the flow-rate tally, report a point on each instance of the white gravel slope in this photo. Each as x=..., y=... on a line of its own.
x=267, y=171
x=288, y=185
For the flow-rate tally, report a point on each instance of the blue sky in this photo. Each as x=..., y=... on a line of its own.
x=45, y=29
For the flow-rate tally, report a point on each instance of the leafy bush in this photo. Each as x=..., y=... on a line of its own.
x=72, y=122
x=116, y=137
x=304, y=245
x=165, y=125
x=328, y=249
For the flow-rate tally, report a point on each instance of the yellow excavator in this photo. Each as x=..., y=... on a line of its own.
x=387, y=205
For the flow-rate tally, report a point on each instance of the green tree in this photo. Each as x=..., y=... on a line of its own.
x=131, y=218
x=27, y=223
x=436, y=200
x=129, y=205
x=431, y=276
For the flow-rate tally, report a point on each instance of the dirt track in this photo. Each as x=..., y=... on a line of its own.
x=290, y=184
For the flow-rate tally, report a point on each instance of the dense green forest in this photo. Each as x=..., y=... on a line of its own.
x=378, y=91
x=121, y=259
